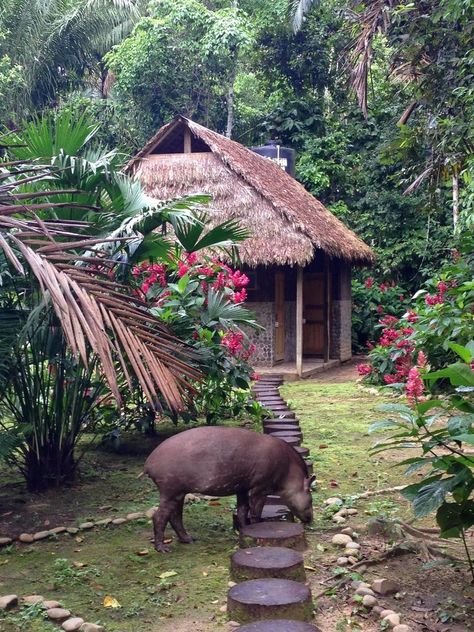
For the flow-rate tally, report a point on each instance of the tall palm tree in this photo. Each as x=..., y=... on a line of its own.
x=59, y=43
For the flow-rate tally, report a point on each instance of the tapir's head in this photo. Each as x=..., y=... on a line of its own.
x=299, y=500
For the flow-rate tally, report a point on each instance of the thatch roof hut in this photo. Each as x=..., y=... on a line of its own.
x=290, y=229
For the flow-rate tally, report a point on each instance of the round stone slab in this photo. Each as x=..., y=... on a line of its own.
x=267, y=561
x=276, y=512
x=288, y=534
x=303, y=451
x=288, y=438
x=279, y=625
x=268, y=428
x=287, y=433
x=259, y=599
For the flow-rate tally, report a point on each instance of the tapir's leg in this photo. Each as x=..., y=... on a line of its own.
x=257, y=501
x=176, y=520
x=242, y=508
x=160, y=520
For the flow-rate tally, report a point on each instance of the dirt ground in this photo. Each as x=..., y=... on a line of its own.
x=335, y=412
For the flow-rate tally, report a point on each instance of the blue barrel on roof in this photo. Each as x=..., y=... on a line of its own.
x=284, y=157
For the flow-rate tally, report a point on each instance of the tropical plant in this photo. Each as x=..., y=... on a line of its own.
x=439, y=428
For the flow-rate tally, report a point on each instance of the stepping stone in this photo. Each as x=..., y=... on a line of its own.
x=287, y=438
x=269, y=512
x=282, y=414
x=271, y=428
x=279, y=625
x=8, y=601
x=287, y=433
x=303, y=451
x=288, y=534
x=277, y=512
x=259, y=599
x=267, y=561
x=72, y=624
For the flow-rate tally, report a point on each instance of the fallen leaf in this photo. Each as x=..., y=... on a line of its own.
x=214, y=503
x=79, y=539
x=144, y=552
x=323, y=446
x=111, y=602
x=168, y=541
x=167, y=574
x=205, y=573
x=310, y=568
x=79, y=564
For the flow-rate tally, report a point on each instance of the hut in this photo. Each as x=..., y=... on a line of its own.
x=298, y=257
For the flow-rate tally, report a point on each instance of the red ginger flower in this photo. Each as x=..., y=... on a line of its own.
x=422, y=359
x=364, y=369
x=182, y=269
x=240, y=297
x=415, y=386
x=412, y=317
x=369, y=283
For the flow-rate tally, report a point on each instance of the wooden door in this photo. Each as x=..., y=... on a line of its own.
x=314, y=314
x=279, y=315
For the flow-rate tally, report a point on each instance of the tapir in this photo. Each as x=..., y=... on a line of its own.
x=221, y=461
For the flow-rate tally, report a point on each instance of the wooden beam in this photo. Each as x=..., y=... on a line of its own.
x=327, y=308
x=187, y=141
x=299, y=321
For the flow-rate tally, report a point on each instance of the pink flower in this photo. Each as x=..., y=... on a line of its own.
x=415, y=386
x=407, y=331
x=391, y=379
x=370, y=345
x=422, y=359
x=412, y=317
x=364, y=369
x=402, y=298
x=442, y=287
x=255, y=377
x=369, y=283
x=455, y=254
x=233, y=341
x=240, y=297
x=191, y=258
x=472, y=365
x=437, y=299
x=379, y=309
x=239, y=279
x=383, y=287
x=136, y=271
x=219, y=283
x=182, y=269
x=388, y=320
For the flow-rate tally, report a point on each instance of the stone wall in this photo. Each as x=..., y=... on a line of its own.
x=263, y=339
x=341, y=315
x=290, y=331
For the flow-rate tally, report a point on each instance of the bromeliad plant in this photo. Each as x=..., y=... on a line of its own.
x=440, y=428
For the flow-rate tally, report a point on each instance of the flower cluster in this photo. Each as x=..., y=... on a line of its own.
x=439, y=298
x=233, y=341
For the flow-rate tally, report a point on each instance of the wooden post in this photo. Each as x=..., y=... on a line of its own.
x=299, y=321
x=327, y=308
x=187, y=141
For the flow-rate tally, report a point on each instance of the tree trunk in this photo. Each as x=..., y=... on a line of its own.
x=455, y=198
x=49, y=468
x=230, y=100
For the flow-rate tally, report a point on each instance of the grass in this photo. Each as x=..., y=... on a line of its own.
x=152, y=589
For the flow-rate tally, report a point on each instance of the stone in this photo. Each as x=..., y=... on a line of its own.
x=72, y=530
x=91, y=627
x=352, y=512
x=41, y=535
x=333, y=501
x=386, y=612
x=340, y=539
x=342, y=512
x=385, y=586
x=58, y=530
x=392, y=620
x=150, y=512
x=402, y=628
x=369, y=601
x=377, y=609
x=49, y=604
x=338, y=519
x=269, y=599
x=357, y=582
x=353, y=545
x=8, y=601
x=26, y=538
x=72, y=624
x=5, y=541
x=104, y=522
x=223, y=609
x=351, y=552
x=58, y=614
x=352, y=559
x=135, y=515
x=233, y=624
x=32, y=599
x=348, y=531
x=342, y=561
x=362, y=591
x=86, y=525
x=267, y=561
x=115, y=521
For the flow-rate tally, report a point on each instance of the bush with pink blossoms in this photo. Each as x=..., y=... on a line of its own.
x=439, y=314
x=201, y=299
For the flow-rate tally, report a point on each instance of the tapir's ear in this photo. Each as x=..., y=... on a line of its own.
x=311, y=480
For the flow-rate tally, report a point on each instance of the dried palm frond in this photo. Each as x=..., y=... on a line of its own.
x=92, y=308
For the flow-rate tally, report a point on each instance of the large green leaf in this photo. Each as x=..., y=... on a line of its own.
x=454, y=518
x=458, y=374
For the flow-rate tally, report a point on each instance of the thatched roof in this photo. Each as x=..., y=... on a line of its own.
x=287, y=223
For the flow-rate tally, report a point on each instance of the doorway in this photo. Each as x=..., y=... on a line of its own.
x=279, y=316
x=314, y=314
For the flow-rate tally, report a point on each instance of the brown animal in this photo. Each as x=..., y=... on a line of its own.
x=222, y=462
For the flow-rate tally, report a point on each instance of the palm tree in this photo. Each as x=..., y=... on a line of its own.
x=70, y=330
x=59, y=43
